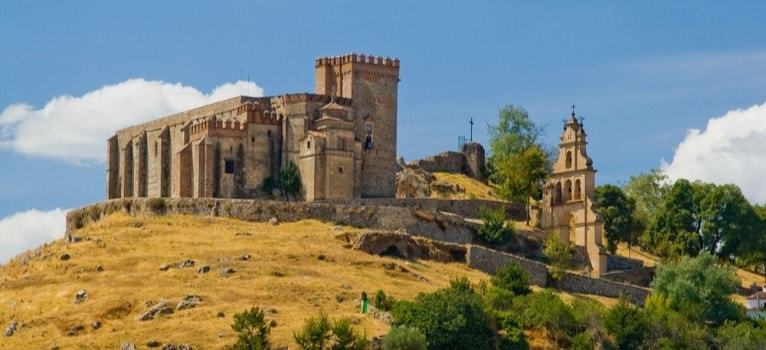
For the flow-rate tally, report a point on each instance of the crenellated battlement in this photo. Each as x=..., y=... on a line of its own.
x=358, y=58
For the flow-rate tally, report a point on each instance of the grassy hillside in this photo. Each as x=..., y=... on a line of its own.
x=474, y=189
x=297, y=269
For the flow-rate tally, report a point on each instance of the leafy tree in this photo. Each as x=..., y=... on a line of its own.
x=523, y=175
x=512, y=277
x=514, y=133
x=617, y=211
x=404, y=338
x=628, y=325
x=730, y=224
x=559, y=253
x=450, y=318
x=699, y=289
x=675, y=227
x=289, y=180
x=494, y=228
x=647, y=189
x=252, y=330
x=519, y=162
x=671, y=329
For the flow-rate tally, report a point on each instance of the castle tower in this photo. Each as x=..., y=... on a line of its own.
x=372, y=83
x=568, y=204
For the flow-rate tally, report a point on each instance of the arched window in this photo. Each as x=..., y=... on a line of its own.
x=578, y=190
x=557, y=194
x=569, y=159
x=568, y=191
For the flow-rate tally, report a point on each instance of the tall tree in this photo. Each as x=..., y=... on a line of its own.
x=674, y=227
x=647, y=189
x=618, y=212
x=519, y=162
x=730, y=225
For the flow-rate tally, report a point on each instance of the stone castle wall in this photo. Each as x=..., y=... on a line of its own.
x=464, y=208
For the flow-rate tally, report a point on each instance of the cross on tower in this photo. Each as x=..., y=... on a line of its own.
x=573, y=109
x=471, y=123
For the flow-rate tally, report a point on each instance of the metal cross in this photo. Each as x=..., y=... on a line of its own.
x=573, y=109
x=471, y=122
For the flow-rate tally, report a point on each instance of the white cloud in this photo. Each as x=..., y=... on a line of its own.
x=27, y=230
x=75, y=129
x=732, y=149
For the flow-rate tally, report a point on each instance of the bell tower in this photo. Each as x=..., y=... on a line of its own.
x=371, y=83
x=568, y=206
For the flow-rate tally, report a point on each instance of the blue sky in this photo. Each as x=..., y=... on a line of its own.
x=643, y=73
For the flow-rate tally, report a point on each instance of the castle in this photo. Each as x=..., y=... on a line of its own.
x=567, y=204
x=342, y=138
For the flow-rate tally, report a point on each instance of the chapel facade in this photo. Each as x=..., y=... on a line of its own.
x=342, y=137
x=568, y=205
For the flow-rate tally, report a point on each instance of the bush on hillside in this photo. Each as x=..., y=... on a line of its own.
x=628, y=325
x=405, y=338
x=319, y=333
x=559, y=253
x=252, y=330
x=382, y=302
x=544, y=310
x=450, y=318
x=512, y=277
x=494, y=228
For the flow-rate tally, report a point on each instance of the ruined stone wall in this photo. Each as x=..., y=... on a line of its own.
x=448, y=162
x=475, y=163
x=640, y=276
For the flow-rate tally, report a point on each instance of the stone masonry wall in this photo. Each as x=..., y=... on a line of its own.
x=435, y=226
x=489, y=260
x=449, y=162
x=464, y=208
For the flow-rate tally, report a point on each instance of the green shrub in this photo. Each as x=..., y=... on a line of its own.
x=319, y=333
x=345, y=337
x=545, y=311
x=290, y=180
x=512, y=277
x=628, y=325
x=672, y=329
x=404, y=338
x=157, y=205
x=269, y=185
x=742, y=335
x=582, y=341
x=252, y=330
x=382, y=302
x=513, y=339
x=559, y=253
x=494, y=229
x=450, y=318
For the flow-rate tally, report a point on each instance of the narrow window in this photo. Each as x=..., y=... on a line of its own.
x=252, y=139
x=569, y=159
x=229, y=167
x=268, y=133
x=156, y=146
x=308, y=144
x=340, y=170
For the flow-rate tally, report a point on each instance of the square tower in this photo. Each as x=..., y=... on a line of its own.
x=371, y=83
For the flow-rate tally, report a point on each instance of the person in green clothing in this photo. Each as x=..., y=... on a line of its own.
x=365, y=302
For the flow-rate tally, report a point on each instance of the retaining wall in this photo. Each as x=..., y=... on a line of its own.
x=488, y=260
x=437, y=226
x=466, y=208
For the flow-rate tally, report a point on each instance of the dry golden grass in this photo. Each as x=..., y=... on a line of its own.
x=474, y=189
x=285, y=273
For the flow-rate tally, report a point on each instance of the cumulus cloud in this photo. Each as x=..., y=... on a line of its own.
x=75, y=128
x=731, y=149
x=26, y=230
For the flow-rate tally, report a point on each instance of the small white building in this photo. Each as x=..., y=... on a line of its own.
x=757, y=300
